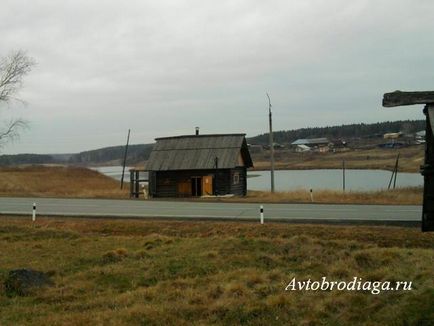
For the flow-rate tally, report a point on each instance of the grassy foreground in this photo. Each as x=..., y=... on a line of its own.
x=111, y=272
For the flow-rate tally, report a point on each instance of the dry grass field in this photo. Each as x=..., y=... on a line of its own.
x=74, y=182
x=58, y=181
x=401, y=196
x=383, y=159
x=109, y=272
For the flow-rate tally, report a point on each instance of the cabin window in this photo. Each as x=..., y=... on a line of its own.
x=236, y=178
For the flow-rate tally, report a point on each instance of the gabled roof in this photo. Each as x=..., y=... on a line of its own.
x=199, y=152
x=311, y=141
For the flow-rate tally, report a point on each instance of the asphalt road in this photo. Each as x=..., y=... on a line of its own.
x=196, y=210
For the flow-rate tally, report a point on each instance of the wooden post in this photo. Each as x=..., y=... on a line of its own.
x=396, y=171
x=391, y=179
x=136, y=184
x=125, y=159
x=216, y=162
x=271, y=143
x=131, y=183
x=343, y=175
x=427, y=171
x=399, y=98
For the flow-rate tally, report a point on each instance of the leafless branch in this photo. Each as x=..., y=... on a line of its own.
x=11, y=130
x=12, y=70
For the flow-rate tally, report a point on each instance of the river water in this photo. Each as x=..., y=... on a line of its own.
x=286, y=180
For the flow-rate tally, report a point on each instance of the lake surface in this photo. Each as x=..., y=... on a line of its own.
x=114, y=172
x=286, y=180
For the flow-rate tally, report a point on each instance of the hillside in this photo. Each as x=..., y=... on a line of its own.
x=410, y=160
x=102, y=156
x=140, y=152
x=136, y=153
x=359, y=130
x=10, y=160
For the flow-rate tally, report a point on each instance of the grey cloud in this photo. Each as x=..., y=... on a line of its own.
x=163, y=67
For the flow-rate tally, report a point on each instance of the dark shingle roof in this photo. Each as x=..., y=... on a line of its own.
x=198, y=152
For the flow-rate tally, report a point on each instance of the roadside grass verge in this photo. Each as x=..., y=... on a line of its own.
x=58, y=181
x=398, y=196
x=130, y=272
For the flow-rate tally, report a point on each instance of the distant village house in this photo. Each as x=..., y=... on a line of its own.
x=317, y=144
x=420, y=137
x=393, y=135
x=302, y=148
x=254, y=148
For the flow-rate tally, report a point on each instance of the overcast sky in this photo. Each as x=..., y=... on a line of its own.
x=162, y=67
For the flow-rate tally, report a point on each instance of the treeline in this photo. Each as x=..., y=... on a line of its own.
x=8, y=160
x=136, y=154
x=114, y=154
x=357, y=130
x=139, y=153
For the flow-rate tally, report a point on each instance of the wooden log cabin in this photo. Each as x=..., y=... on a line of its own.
x=199, y=165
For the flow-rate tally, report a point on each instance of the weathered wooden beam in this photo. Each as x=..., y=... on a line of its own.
x=427, y=170
x=399, y=98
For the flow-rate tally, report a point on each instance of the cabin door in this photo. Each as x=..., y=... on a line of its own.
x=196, y=186
x=207, y=185
x=184, y=188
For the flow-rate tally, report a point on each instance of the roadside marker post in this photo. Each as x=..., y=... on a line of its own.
x=34, y=212
x=261, y=210
x=311, y=195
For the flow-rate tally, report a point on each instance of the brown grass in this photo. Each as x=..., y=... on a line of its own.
x=381, y=159
x=58, y=181
x=401, y=196
x=110, y=272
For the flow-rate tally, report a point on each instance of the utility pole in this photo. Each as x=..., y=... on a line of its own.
x=343, y=175
x=271, y=143
x=125, y=159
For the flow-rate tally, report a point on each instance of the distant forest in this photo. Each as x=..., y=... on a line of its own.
x=136, y=154
x=357, y=130
x=112, y=155
x=140, y=153
x=8, y=160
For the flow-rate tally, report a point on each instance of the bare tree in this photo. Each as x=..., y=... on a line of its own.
x=13, y=68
